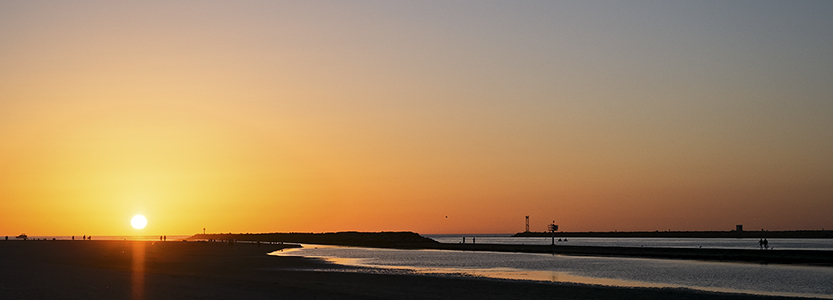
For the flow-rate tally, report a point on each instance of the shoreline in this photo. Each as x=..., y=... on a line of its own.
x=783, y=234
x=176, y=270
x=410, y=240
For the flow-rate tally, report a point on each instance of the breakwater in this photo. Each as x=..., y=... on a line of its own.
x=403, y=239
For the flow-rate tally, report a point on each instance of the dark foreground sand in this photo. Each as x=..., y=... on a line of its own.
x=180, y=270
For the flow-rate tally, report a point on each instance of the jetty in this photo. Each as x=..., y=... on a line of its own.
x=402, y=240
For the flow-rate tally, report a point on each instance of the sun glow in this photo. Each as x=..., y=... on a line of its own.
x=139, y=222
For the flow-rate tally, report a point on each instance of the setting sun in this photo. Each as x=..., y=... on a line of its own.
x=139, y=222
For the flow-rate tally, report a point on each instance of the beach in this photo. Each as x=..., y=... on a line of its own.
x=201, y=270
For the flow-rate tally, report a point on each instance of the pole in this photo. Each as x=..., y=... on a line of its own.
x=553, y=228
x=553, y=237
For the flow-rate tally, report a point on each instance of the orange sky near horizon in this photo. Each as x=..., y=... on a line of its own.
x=440, y=117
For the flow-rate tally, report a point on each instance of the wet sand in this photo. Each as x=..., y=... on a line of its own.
x=199, y=270
x=803, y=257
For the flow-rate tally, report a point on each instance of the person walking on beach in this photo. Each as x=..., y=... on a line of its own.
x=761, y=243
x=766, y=244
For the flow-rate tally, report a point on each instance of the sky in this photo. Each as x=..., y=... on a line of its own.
x=427, y=116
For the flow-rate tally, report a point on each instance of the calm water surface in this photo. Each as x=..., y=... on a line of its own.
x=784, y=280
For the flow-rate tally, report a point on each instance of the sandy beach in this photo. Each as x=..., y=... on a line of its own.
x=198, y=270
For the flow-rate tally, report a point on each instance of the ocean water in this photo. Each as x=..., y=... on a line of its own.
x=750, y=278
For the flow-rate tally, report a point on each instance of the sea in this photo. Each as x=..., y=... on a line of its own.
x=731, y=277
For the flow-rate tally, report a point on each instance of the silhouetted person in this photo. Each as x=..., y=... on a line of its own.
x=7, y=237
x=164, y=238
x=761, y=243
x=473, y=240
x=73, y=237
x=766, y=244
